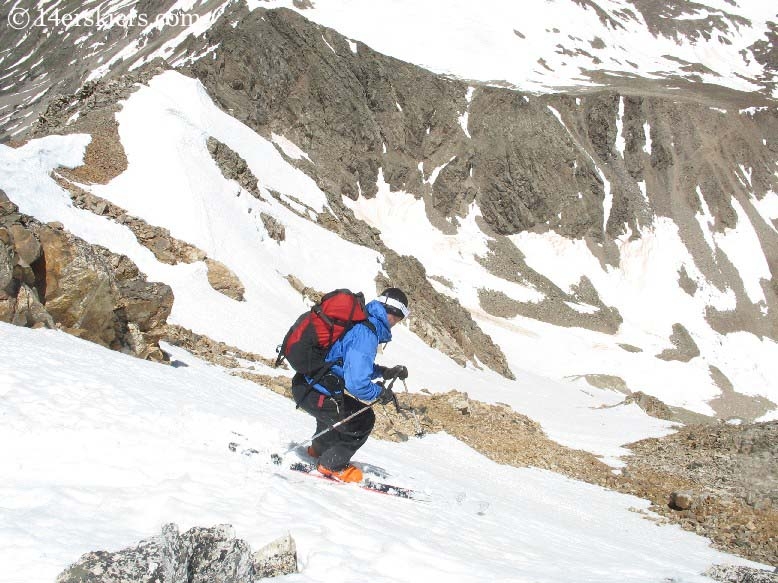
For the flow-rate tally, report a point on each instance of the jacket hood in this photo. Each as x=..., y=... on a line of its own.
x=376, y=313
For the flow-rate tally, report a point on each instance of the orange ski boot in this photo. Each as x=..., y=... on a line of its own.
x=347, y=474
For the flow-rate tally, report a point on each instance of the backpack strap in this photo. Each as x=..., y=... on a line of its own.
x=315, y=379
x=325, y=369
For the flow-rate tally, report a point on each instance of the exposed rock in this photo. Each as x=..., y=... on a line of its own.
x=650, y=405
x=554, y=310
x=686, y=283
x=681, y=500
x=630, y=348
x=581, y=306
x=685, y=346
x=24, y=308
x=276, y=558
x=733, y=405
x=766, y=52
x=605, y=381
x=215, y=352
x=91, y=101
x=281, y=385
x=444, y=280
x=439, y=320
x=25, y=244
x=4, y=200
x=741, y=574
x=512, y=438
x=50, y=278
x=274, y=228
x=158, y=240
x=310, y=294
x=460, y=403
x=729, y=472
x=671, y=19
x=200, y=555
x=224, y=281
x=233, y=166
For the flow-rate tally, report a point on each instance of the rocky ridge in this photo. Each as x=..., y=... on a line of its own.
x=49, y=278
x=531, y=163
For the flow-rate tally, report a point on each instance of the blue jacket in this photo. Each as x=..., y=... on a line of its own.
x=357, y=348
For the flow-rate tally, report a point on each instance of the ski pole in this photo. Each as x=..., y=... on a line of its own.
x=417, y=424
x=277, y=458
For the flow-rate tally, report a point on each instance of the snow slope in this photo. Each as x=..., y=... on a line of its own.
x=107, y=448
x=644, y=288
x=172, y=182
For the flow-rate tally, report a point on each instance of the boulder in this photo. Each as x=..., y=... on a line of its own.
x=276, y=558
x=274, y=228
x=741, y=574
x=224, y=281
x=48, y=277
x=78, y=287
x=681, y=500
x=200, y=555
x=25, y=244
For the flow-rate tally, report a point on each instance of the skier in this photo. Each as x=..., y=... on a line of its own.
x=355, y=370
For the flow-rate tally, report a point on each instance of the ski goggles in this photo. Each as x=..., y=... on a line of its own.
x=396, y=304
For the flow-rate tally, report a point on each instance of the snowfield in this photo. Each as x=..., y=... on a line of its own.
x=102, y=449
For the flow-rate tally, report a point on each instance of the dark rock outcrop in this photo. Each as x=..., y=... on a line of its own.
x=200, y=555
x=442, y=322
x=233, y=166
x=685, y=348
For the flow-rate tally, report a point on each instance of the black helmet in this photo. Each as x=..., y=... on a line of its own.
x=395, y=301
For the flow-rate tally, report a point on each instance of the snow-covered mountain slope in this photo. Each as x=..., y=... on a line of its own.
x=646, y=290
x=51, y=48
x=611, y=240
x=104, y=448
x=174, y=183
x=540, y=46
x=617, y=226
x=643, y=286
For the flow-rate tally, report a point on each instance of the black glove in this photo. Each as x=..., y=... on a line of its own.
x=386, y=395
x=396, y=372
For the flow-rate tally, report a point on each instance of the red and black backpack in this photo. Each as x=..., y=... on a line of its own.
x=310, y=338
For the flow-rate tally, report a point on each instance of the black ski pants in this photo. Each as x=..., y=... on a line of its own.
x=337, y=446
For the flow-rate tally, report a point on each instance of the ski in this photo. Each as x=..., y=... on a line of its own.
x=367, y=484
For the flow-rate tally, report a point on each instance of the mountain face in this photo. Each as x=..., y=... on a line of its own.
x=578, y=196
x=617, y=205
